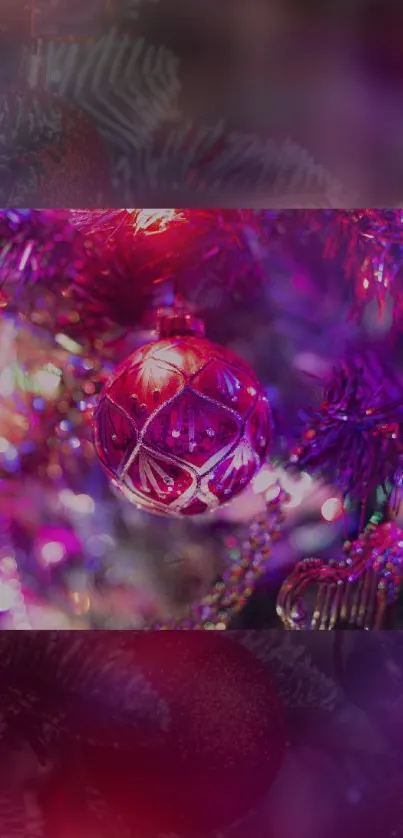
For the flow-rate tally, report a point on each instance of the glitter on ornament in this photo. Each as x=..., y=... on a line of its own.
x=182, y=426
x=354, y=591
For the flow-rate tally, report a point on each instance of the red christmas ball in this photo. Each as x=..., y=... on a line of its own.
x=51, y=154
x=215, y=760
x=182, y=426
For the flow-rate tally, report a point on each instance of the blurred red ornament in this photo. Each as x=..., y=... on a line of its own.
x=216, y=759
x=182, y=426
x=51, y=153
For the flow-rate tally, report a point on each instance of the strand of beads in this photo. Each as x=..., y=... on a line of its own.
x=231, y=592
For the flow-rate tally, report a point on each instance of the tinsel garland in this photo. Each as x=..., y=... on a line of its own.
x=85, y=273
x=231, y=592
x=82, y=265
x=366, y=243
x=354, y=438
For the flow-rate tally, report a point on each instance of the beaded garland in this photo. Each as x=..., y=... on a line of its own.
x=231, y=592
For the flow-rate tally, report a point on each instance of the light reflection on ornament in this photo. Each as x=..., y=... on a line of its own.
x=153, y=221
x=332, y=509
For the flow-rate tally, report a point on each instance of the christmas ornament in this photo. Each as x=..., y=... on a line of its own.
x=122, y=716
x=221, y=748
x=183, y=425
x=206, y=256
x=354, y=438
x=91, y=274
x=355, y=591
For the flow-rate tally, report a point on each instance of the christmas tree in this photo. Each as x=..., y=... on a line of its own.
x=296, y=382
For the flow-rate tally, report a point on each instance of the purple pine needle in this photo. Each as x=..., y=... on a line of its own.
x=354, y=439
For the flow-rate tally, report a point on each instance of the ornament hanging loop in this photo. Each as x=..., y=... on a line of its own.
x=179, y=324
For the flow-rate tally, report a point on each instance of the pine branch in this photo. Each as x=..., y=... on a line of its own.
x=299, y=681
x=27, y=125
x=17, y=822
x=210, y=161
x=126, y=86
x=41, y=674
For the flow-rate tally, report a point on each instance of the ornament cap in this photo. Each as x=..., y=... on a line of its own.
x=180, y=324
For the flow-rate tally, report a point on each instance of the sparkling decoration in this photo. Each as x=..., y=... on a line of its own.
x=354, y=439
x=37, y=247
x=182, y=426
x=370, y=244
x=45, y=401
x=152, y=247
x=50, y=153
x=82, y=289
x=87, y=273
x=354, y=591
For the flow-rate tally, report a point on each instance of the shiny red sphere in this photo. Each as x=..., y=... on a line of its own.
x=205, y=763
x=182, y=426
